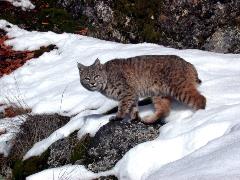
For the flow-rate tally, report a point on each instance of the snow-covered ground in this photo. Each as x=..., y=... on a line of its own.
x=192, y=145
x=24, y=4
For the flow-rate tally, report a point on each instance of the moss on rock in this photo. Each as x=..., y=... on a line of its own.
x=22, y=169
x=58, y=20
x=141, y=15
x=79, y=152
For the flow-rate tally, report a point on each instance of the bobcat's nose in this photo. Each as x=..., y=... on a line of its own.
x=93, y=84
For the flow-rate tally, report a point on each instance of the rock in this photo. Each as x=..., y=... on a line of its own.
x=5, y=170
x=107, y=178
x=60, y=152
x=73, y=6
x=114, y=139
x=224, y=40
x=69, y=150
x=179, y=24
x=104, y=12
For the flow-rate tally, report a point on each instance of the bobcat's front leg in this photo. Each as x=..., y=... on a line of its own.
x=134, y=115
x=127, y=106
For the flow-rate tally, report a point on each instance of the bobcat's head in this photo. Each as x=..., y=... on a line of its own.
x=93, y=77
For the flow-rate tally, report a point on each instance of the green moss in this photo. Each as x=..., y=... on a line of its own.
x=150, y=34
x=22, y=169
x=80, y=150
x=143, y=14
x=58, y=19
x=54, y=13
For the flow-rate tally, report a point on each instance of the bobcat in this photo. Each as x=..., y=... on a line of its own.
x=161, y=77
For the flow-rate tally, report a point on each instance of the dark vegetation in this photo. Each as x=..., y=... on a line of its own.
x=142, y=16
x=47, y=16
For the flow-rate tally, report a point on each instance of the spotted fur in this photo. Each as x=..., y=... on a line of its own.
x=161, y=77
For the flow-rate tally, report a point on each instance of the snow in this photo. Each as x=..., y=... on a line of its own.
x=24, y=4
x=191, y=145
x=11, y=126
x=218, y=160
x=74, y=172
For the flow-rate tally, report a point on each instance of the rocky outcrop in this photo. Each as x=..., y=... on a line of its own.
x=180, y=24
x=98, y=153
x=114, y=139
x=224, y=40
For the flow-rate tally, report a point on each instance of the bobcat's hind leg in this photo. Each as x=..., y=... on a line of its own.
x=162, y=109
x=190, y=96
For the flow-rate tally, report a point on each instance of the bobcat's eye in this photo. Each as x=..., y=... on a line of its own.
x=87, y=79
x=96, y=77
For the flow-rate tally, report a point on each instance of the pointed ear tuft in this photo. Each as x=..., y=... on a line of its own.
x=80, y=66
x=97, y=62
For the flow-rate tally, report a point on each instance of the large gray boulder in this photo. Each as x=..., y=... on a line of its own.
x=224, y=40
x=114, y=139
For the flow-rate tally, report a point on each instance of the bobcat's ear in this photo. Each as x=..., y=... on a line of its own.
x=80, y=66
x=97, y=62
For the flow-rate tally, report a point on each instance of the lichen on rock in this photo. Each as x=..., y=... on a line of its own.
x=114, y=139
x=224, y=40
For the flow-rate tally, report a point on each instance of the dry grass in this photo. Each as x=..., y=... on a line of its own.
x=34, y=129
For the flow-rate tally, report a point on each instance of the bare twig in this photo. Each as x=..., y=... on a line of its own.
x=62, y=98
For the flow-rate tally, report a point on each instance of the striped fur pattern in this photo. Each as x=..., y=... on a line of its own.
x=161, y=77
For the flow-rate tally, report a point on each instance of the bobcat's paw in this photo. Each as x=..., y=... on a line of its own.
x=151, y=119
x=148, y=120
x=137, y=118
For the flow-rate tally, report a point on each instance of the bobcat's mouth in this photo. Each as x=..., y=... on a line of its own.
x=92, y=88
